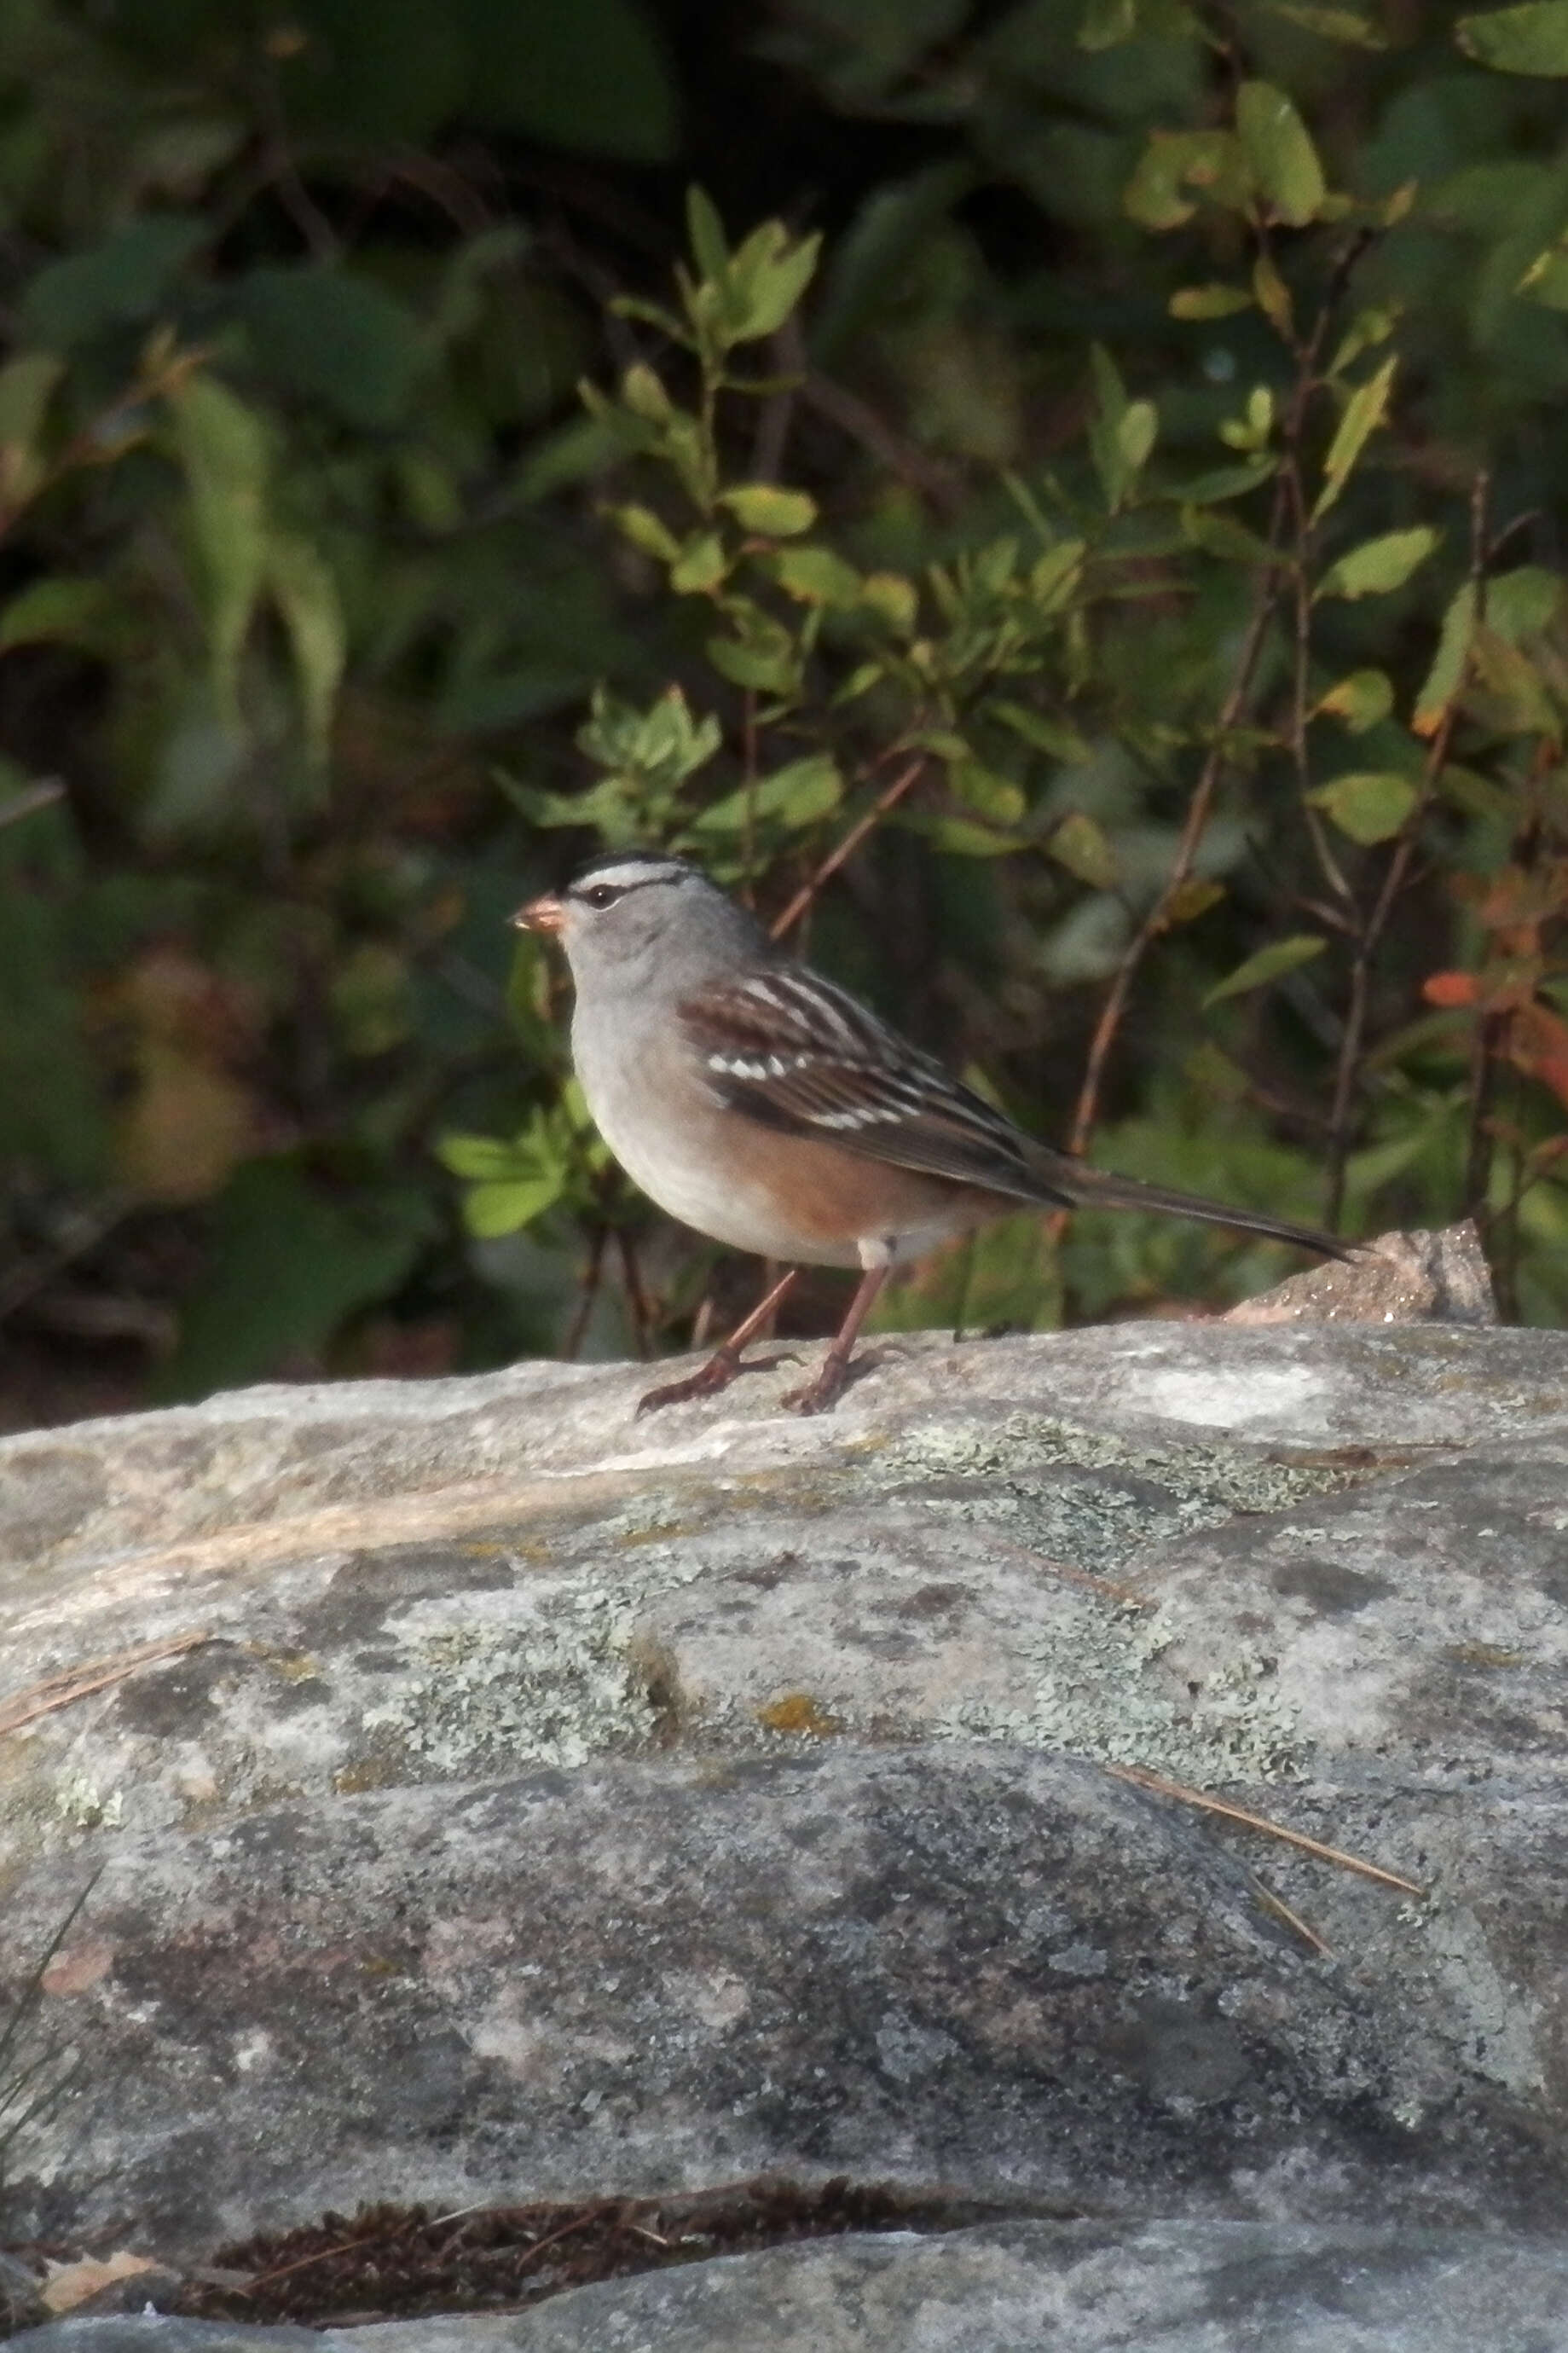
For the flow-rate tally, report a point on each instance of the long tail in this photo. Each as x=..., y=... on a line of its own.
x=1089, y=1188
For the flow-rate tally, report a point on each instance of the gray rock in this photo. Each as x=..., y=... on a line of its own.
x=157, y=2333
x=558, y=1804
x=21, y=2305
x=1404, y=1277
x=1076, y=2287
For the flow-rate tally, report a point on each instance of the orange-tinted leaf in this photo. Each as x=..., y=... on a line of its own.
x=1537, y=1045
x=1449, y=989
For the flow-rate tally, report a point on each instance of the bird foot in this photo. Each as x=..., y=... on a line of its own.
x=714, y=1376
x=823, y=1394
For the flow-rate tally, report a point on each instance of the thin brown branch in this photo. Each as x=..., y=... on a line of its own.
x=1292, y=1919
x=886, y=799
x=1145, y=1779
x=1265, y=604
x=1349, y=1071
x=587, y=1293
x=32, y=798
x=1192, y=828
x=636, y=1293
x=860, y=421
x=76, y=1683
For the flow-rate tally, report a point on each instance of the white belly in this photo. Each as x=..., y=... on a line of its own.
x=673, y=1162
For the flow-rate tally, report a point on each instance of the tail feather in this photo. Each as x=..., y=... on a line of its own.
x=1091, y=1188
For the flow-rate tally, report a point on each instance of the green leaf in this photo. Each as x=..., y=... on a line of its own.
x=591, y=76
x=306, y=594
x=1366, y=330
x=1514, y=697
x=957, y=837
x=1446, y=675
x=797, y=795
x=985, y=794
x=1370, y=806
x=125, y=281
x=1280, y=152
x=768, y=665
x=1362, y=699
x=816, y=576
x=1546, y=280
x=645, y=529
x=1175, y=161
x=26, y=387
x=1519, y=604
x=482, y=1159
x=1379, y=565
x=225, y=450
x=705, y=233
x=1054, y=577
x=1213, y=302
x=701, y=566
x=1222, y=535
x=1083, y=847
x=490, y=1210
x=1273, y=297
x=1363, y=413
x=1532, y=39
x=59, y=609
x=1251, y=432
x=1524, y=602
x=1121, y=436
x=1332, y=24
x=893, y=599
x=1269, y=964
x=1135, y=433
x=644, y=393
x=388, y=76
x=1106, y=23
x=1227, y=483
x=335, y=337
x=1052, y=736
x=764, y=507
x=1192, y=898
x=759, y=288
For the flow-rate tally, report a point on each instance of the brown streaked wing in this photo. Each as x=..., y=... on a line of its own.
x=793, y=1053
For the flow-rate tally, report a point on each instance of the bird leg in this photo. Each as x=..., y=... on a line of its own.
x=825, y=1391
x=725, y=1362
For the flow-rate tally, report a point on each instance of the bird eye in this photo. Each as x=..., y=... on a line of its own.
x=602, y=895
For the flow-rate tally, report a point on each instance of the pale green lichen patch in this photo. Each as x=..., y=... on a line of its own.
x=1227, y=1478
x=552, y=1674
x=1094, y=1696
x=482, y=1699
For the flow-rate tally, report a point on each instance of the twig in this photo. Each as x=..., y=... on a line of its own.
x=636, y=1296
x=588, y=1294
x=77, y=1682
x=859, y=420
x=1282, y=1911
x=1181, y=867
x=851, y=842
x=1347, y=1074
x=34, y=797
x=1265, y=603
x=1144, y=1779
x=787, y=353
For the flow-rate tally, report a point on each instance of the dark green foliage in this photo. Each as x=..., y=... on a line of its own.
x=1100, y=460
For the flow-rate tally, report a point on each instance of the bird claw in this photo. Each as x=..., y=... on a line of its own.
x=823, y=1394
x=708, y=1381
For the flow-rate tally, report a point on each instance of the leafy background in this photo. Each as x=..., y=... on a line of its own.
x=1068, y=518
